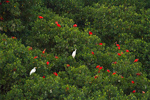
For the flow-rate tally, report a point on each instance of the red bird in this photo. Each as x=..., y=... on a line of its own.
x=75, y=25
x=90, y=33
x=97, y=66
x=132, y=82
x=56, y=22
x=115, y=62
x=138, y=74
x=7, y=1
x=136, y=60
x=92, y=53
x=100, y=43
x=47, y=63
x=117, y=45
x=101, y=67
x=40, y=17
x=143, y=92
x=35, y=57
x=96, y=76
x=30, y=48
x=127, y=50
x=56, y=57
x=68, y=65
x=55, y=74
x=58, y=25
x=108, y=70
x=119, y=54
x=133, y=91
x=43, y=51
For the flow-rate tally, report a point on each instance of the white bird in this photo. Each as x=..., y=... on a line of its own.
x=74, y=53
x=33, y=70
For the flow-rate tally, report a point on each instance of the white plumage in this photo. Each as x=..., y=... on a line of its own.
x=74, y=53
x=33, y=70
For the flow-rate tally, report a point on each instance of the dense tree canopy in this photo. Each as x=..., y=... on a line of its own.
x=111, y=39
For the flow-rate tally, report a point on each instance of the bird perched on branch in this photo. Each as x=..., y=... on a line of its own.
x=74, y=53
x=33, y=70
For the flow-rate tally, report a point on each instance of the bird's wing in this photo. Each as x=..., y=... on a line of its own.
x=72, y=53
x=31, y=71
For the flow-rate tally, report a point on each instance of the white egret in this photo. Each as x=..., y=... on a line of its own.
x=74, y=53
x=33, y=70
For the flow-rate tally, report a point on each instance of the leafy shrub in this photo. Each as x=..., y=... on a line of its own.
x=141, y=49
x=100, y=70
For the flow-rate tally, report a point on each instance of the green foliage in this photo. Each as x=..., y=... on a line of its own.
x=141, y=49
x=30, y=41
x=109, y=23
